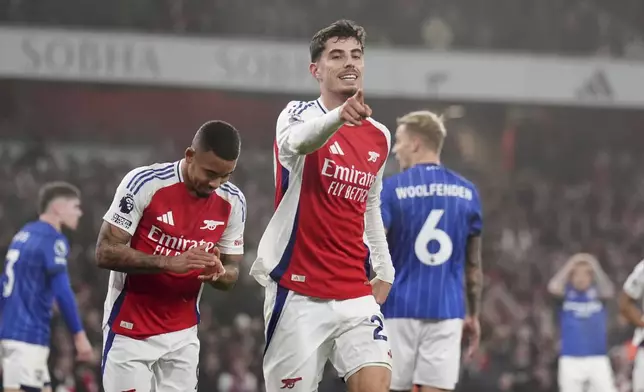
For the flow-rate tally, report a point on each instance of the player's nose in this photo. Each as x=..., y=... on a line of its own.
x=350, y=65
x=214, y=184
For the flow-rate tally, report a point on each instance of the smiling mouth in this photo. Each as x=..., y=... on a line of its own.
x=349, y=77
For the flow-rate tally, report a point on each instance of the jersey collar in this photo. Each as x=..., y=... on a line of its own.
x=321, y=105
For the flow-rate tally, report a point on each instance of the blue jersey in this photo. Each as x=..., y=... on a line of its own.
x=429, y=212
x=582, y=319
x=37, y=254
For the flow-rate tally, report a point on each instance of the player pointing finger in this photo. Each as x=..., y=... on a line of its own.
x=354, y=110
x=330, y=156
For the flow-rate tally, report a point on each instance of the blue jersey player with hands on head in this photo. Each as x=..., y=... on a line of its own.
x=35, y=273
x=581, y=286
x=433, y=220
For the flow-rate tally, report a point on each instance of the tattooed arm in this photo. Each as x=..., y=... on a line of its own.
x=113, y=252
x=473, y=275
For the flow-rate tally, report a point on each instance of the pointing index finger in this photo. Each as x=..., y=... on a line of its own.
x=359, y=96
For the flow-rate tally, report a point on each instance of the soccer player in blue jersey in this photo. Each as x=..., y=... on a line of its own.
x=582, y=287
x=35, y=273
x=433, y=221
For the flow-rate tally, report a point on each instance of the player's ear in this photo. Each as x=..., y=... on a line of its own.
x=416, y=143
x=190, y=154
x=55, y=206
x=315, y=71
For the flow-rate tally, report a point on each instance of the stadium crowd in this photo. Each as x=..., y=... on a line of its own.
x=581, y=27
x=538, y=210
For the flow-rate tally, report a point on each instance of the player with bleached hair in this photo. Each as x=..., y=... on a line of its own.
x=434, y=221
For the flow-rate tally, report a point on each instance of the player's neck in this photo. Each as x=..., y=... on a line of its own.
x=183, y=167
x=428, y=157
x=331, y=101
x=48, y=218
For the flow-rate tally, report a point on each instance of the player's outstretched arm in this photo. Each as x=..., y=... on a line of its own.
x=474, y=275
x=304, y=137
x=114, y=253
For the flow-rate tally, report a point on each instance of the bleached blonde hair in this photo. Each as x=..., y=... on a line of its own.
x=426, y=124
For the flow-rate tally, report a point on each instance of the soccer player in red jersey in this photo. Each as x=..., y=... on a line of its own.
x=314, y=258
x=171, y=228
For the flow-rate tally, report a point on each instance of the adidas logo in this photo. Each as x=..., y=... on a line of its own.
x=335, y=149
x=166, y=218
x=597, y=86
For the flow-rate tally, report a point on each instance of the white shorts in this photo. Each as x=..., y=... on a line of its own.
x=638, y=371
x=426, y=352
x=24, y=364
x=165, y=363
x=303, y=333
x=577, y=372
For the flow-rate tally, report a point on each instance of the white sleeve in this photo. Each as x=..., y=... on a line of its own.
x=634, y=285
x=232, y=240
x=375, y=234
x=296, y=136
x=130, y=200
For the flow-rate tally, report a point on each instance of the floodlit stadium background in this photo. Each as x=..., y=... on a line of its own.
x=546, y=99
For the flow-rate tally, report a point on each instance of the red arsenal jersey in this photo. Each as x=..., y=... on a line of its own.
x=314, y=244
x=154, y=205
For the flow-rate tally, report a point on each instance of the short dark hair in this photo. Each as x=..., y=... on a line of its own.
x=219, y=137
x=340, y=29
x=53, y=190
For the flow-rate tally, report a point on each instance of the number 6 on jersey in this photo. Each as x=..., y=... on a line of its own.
x=430, y=232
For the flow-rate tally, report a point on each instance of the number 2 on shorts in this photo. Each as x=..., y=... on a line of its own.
x=377, y=332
